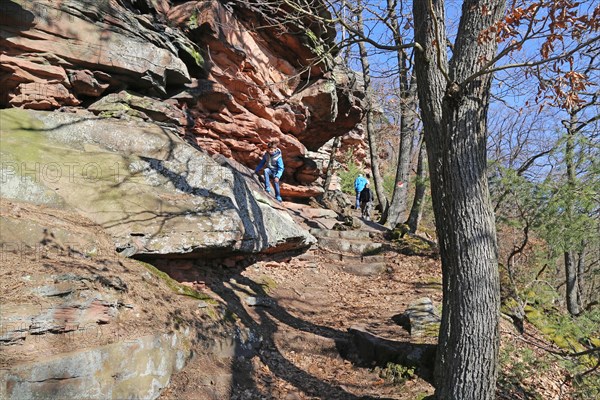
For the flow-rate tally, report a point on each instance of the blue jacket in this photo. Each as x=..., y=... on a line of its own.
x=359, y=183
x=274, y=162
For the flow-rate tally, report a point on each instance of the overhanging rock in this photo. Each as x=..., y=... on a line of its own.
x=151, y=191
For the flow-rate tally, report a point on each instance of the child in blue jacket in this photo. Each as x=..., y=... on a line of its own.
x=273, y=163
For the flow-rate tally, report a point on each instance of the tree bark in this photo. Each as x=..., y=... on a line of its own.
x=454, y=115
x=371, y=134
x=416, y=211
x=330, y=166
x=581, y=297
x=408, y=110
x=573, y=304
x=572, y=285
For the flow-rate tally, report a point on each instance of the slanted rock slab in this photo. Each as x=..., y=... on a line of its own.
x=151, y=191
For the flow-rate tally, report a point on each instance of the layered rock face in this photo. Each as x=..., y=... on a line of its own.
x=221, y=72
x=79, y=321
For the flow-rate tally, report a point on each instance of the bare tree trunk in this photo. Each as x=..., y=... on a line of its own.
x=580, y=274
x=573, y=304
x=371, y=134
x=416, y=211
x=454, y=115
x=337, y=141
x=408, y=110
x=330, y=166
x=572, y=285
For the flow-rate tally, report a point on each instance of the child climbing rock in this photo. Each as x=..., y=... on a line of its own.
x=273, y=163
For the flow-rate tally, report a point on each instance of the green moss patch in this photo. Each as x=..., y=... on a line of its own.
x=562, y=331
x=396, y=373
x=266, y=283
x=413, y=245
x=176, y=286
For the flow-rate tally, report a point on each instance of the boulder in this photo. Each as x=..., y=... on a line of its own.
x=420, y=318
x=336, y=200
x=124, y=102
x=151, y=191
x=104, y=36
x=373, y=349
x=300, y=191
x=84, y=83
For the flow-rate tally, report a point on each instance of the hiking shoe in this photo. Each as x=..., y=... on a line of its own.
x=279, y=199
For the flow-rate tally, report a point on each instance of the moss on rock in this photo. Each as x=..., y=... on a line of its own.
x=411, y=244
x=176, y=286
x=267, y=283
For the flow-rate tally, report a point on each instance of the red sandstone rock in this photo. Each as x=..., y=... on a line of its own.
x=233, y=87
x=41, y=96
x=260, y=78
x=85, y=83
x=300, y=191
x=40, y=39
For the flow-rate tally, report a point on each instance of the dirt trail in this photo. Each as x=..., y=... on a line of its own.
x=306, y=304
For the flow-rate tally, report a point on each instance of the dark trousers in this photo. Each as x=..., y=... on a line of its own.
x=269, y=174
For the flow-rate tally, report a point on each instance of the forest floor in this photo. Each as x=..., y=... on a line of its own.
x=304, y=322
x=300, y=311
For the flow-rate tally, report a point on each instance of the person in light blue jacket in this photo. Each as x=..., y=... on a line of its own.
x=273, y=163
x=359, y=184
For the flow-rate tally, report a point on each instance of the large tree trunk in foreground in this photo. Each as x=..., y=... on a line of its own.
x=454, y=115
